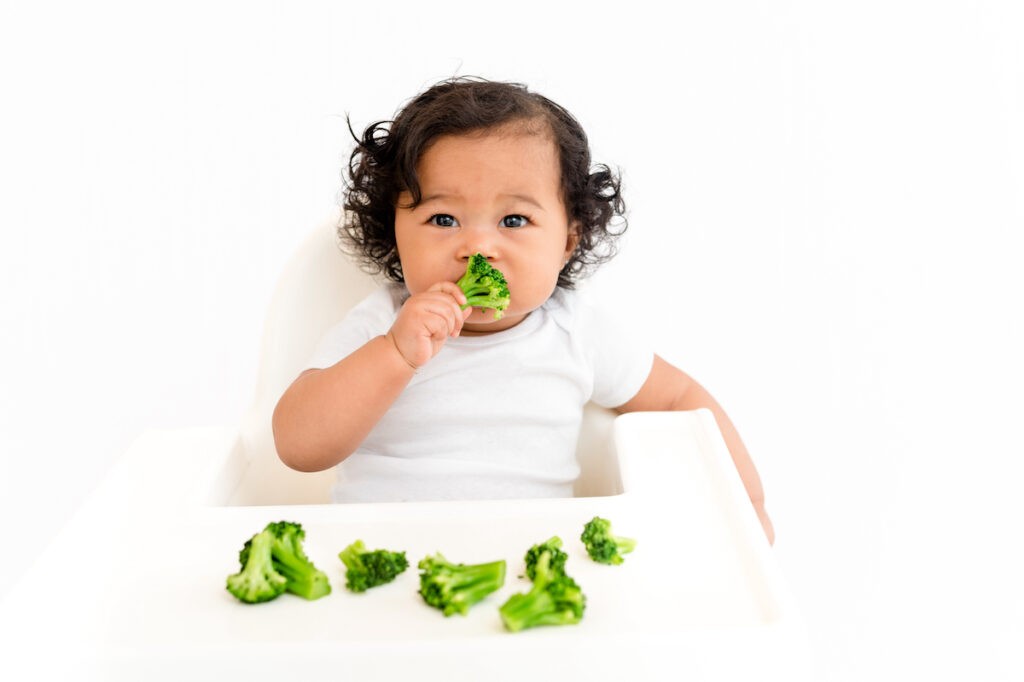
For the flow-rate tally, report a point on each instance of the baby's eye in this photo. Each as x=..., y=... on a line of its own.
x=514, y=221
x=443, y=220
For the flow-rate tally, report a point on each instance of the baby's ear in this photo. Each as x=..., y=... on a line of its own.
x=573, y=238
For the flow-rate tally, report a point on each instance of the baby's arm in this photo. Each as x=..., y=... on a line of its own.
x=669, y=388
x=326, y=413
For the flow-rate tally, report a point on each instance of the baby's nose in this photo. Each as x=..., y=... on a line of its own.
x=478, y=241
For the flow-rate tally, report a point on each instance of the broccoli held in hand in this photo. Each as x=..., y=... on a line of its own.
x=453, y=588
x=554, y=599
x=257, y=581
x=484, y=286
x=366, y=569
x=290, y=561
x=601, y=545
x=553, y=546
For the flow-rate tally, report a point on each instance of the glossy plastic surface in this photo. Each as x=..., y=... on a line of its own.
x=134, y=587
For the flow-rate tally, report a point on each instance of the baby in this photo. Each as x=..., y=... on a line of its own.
x=420, y=397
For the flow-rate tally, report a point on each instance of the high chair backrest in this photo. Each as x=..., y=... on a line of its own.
x=318, y=286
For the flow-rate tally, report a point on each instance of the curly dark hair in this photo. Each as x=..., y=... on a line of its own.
x=383, y=164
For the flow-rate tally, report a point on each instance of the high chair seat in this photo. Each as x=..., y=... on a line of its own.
x=318, y=286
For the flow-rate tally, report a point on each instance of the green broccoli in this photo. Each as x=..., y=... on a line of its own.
x=304, y=579
x=453, y=588
x=366, y=569
x=602, y=546
x=558, y=557
x=484, y=286
x=554, y=599
x=257, y=581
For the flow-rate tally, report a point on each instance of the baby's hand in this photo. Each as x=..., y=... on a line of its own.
x=427, y=320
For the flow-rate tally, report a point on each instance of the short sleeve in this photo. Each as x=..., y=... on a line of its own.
x=621, y=360
x=371, y=317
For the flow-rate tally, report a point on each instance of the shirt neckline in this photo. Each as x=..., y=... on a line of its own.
x=531, y=323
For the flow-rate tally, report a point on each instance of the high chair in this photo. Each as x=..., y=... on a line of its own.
x=316, y=289
x=133, y=588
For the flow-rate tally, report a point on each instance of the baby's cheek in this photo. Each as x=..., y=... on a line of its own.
x=415, y=283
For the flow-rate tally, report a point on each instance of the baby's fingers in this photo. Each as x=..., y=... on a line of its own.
x=463, y=315
x=443, y=313
x=453, y=293
x=452, y=289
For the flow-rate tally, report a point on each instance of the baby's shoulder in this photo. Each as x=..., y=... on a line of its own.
x=378, y=309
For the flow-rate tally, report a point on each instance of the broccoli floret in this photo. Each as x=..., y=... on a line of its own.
x=453, y=588
x=602, y=546
x=484, y=286
x=366, y=569
x=304, y=579
x=257, y=581
x=552, y=546
x=554, y=599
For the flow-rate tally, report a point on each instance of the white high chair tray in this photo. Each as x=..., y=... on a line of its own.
x=133, y=588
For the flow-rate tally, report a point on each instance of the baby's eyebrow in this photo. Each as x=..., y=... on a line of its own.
x=435, y=197
x=438, y=196
x=524, y=198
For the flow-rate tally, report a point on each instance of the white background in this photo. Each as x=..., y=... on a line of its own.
x=826, y=208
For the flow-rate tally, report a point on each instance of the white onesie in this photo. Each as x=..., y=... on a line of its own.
x=489, y=417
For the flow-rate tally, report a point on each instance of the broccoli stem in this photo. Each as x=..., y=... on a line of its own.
x=351, y=556
x=470, y=584
x=453, y=588
x=304, y=579
x=554, y=599
x=625, y=545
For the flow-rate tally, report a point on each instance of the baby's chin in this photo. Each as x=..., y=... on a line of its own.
x=481, y=321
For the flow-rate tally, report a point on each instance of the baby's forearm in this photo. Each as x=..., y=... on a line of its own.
x=697, y=396
x=669, y=388
x=325, y=414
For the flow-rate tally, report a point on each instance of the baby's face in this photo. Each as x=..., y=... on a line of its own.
x=496, y=194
